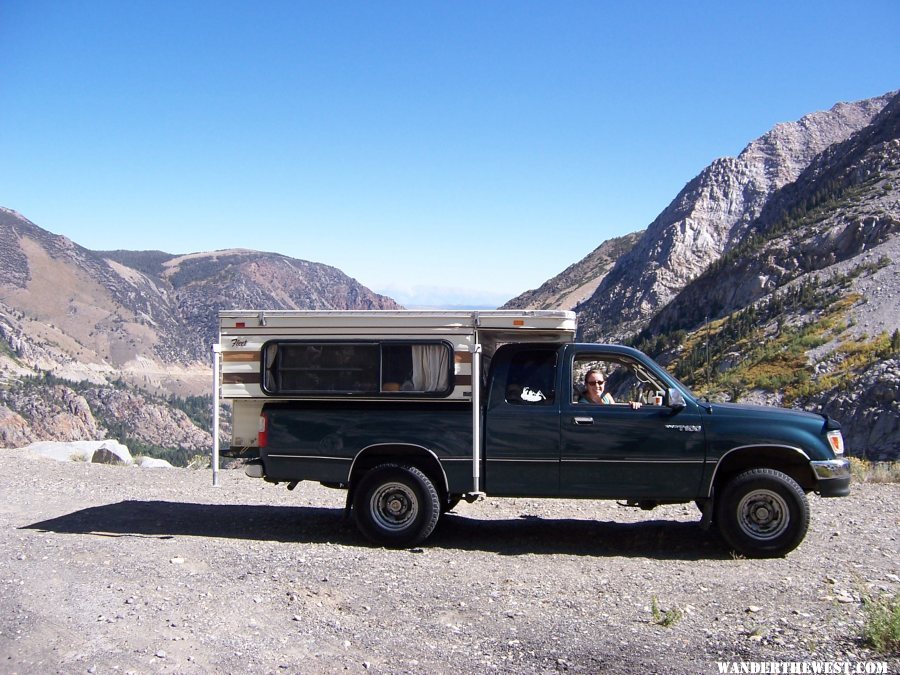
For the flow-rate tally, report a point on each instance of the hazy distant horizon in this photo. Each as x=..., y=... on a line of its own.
x=441, y=297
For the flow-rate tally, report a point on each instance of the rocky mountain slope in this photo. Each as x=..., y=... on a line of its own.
x=711, y=215
x=843, y=208
x=820, y=275
x=143, y=321
x=772, y=277
x=578, y=282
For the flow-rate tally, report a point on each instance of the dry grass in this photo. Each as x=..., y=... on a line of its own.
x=864, y=471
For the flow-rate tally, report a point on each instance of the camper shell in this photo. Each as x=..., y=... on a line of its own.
x=271, y=356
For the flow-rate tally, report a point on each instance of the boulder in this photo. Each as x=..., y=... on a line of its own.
x=81, y=451
x=154, y=463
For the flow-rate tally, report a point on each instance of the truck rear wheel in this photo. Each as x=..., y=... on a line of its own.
x=763, y=513
x=396, y=505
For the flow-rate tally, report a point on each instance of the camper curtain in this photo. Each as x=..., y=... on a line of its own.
x=431, y=364
x=271, y=381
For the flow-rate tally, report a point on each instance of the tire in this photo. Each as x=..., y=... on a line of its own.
x=396, y=506
x=763, y=513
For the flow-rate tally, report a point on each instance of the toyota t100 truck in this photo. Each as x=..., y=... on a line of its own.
x=412, y=411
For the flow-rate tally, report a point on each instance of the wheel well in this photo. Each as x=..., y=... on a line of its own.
x=411, y=455
x=789, y=461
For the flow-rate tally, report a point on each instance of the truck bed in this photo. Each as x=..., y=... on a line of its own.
x=317, y=440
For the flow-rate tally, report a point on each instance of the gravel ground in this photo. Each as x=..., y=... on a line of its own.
x=116, y=569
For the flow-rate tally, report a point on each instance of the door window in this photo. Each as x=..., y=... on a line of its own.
x=530, y=380
x=614, y=381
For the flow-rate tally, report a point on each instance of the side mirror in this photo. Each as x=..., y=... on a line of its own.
x=676, y=399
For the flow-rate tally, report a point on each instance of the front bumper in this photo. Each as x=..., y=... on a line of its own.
x=832, y=477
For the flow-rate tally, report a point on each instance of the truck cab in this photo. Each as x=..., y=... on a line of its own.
x=649, y=441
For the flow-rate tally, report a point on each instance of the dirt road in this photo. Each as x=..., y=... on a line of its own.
x=109, y=569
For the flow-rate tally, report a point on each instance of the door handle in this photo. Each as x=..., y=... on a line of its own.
x=584, y=420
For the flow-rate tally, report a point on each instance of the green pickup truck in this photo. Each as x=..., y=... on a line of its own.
x=529, y=428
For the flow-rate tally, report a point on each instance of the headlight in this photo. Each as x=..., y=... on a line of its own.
x=836, y=441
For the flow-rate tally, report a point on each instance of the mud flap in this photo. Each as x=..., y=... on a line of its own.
x=706, y=508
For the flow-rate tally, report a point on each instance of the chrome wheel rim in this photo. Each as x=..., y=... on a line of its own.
x=394, y=506
x=763, y=515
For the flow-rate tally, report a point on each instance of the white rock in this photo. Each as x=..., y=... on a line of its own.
x=154, y=463
x=78, y=451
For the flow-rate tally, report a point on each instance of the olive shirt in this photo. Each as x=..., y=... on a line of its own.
x=606, y=398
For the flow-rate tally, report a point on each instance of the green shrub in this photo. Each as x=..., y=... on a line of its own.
x=882, y=627
x=665, y=619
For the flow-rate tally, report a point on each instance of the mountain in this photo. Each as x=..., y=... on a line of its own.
x=129, y=325
x=842, y=210
x=579, y=281
x=711, y=215
x=772, y=277
x=806, y=310
x=120, y=309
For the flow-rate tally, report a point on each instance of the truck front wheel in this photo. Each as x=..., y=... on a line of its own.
x=763, y=513
x=396, y=505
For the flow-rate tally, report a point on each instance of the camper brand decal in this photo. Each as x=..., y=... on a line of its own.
x=685, y=427
x=239, y=342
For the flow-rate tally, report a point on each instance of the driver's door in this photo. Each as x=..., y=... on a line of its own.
x=621, y=451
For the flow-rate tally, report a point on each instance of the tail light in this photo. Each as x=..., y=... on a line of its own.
x=262, y=436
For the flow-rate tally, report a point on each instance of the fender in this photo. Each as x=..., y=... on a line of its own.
x=761, y=446
x=391, y=449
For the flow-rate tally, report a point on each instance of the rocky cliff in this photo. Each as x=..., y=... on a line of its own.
x=806, y=310
x=710, y=216
x=841, y=211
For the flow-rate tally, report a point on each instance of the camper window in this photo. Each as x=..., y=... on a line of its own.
x=371, y=368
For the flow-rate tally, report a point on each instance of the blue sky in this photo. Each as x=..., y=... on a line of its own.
x=470, y=150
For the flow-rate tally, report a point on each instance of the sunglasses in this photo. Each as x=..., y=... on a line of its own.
x=594, y=382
